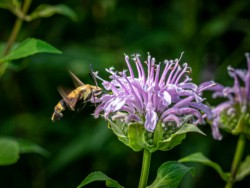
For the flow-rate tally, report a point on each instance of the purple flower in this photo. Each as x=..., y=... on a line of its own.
x=228, y=113
x=164, y=93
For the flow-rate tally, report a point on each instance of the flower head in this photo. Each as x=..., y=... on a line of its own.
x=164, y=93
x=230, y=114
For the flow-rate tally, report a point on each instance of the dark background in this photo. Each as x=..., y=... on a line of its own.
x=212, y=35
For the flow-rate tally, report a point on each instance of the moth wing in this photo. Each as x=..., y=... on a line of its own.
x=76, y=80
x=70, y=101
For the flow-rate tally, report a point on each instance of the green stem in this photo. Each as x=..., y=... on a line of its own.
x=15, y=31
x=236, y=161
x=145, y=168
x=17, y=27
x=13, y=36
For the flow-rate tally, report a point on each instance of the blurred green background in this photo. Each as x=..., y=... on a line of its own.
x=212, y=35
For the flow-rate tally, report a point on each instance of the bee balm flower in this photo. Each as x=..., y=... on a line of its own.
x=233, y=114
x=163, y=94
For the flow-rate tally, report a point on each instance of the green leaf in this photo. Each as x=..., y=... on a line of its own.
x=136, y=135
x=29, y=147
x=11, y=148
x=116, y=128
x=158, y=133
x=244, y=169
x=170, y=174
x=29, y=47
x=99, y=176
x=10, y=4
x=176, y=138
x=5, y=5
x=200, y=158
x=46, y=10
x=243, y=125
x=9, y=151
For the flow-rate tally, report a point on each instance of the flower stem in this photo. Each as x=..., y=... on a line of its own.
x=145, y=168
x=236, y=161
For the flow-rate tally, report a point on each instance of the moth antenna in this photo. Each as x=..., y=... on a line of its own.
x=92, y=75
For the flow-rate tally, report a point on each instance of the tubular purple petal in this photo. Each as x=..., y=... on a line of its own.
x=171, y=118
x=141, y=69
x=191, y=86
x=166, y=98
x=132, y=118
x=165, y=71
x=156, y=80
x=215, y=132
x=202, y=107
x=129, y=66
x=183, y=102
x=206, y=85
x=175, y=75
x=152, y=97
x=247, y=79
x=236, y=84
x=151, y=118
x=135, y=95
x=185, y=65
x=172, y=72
